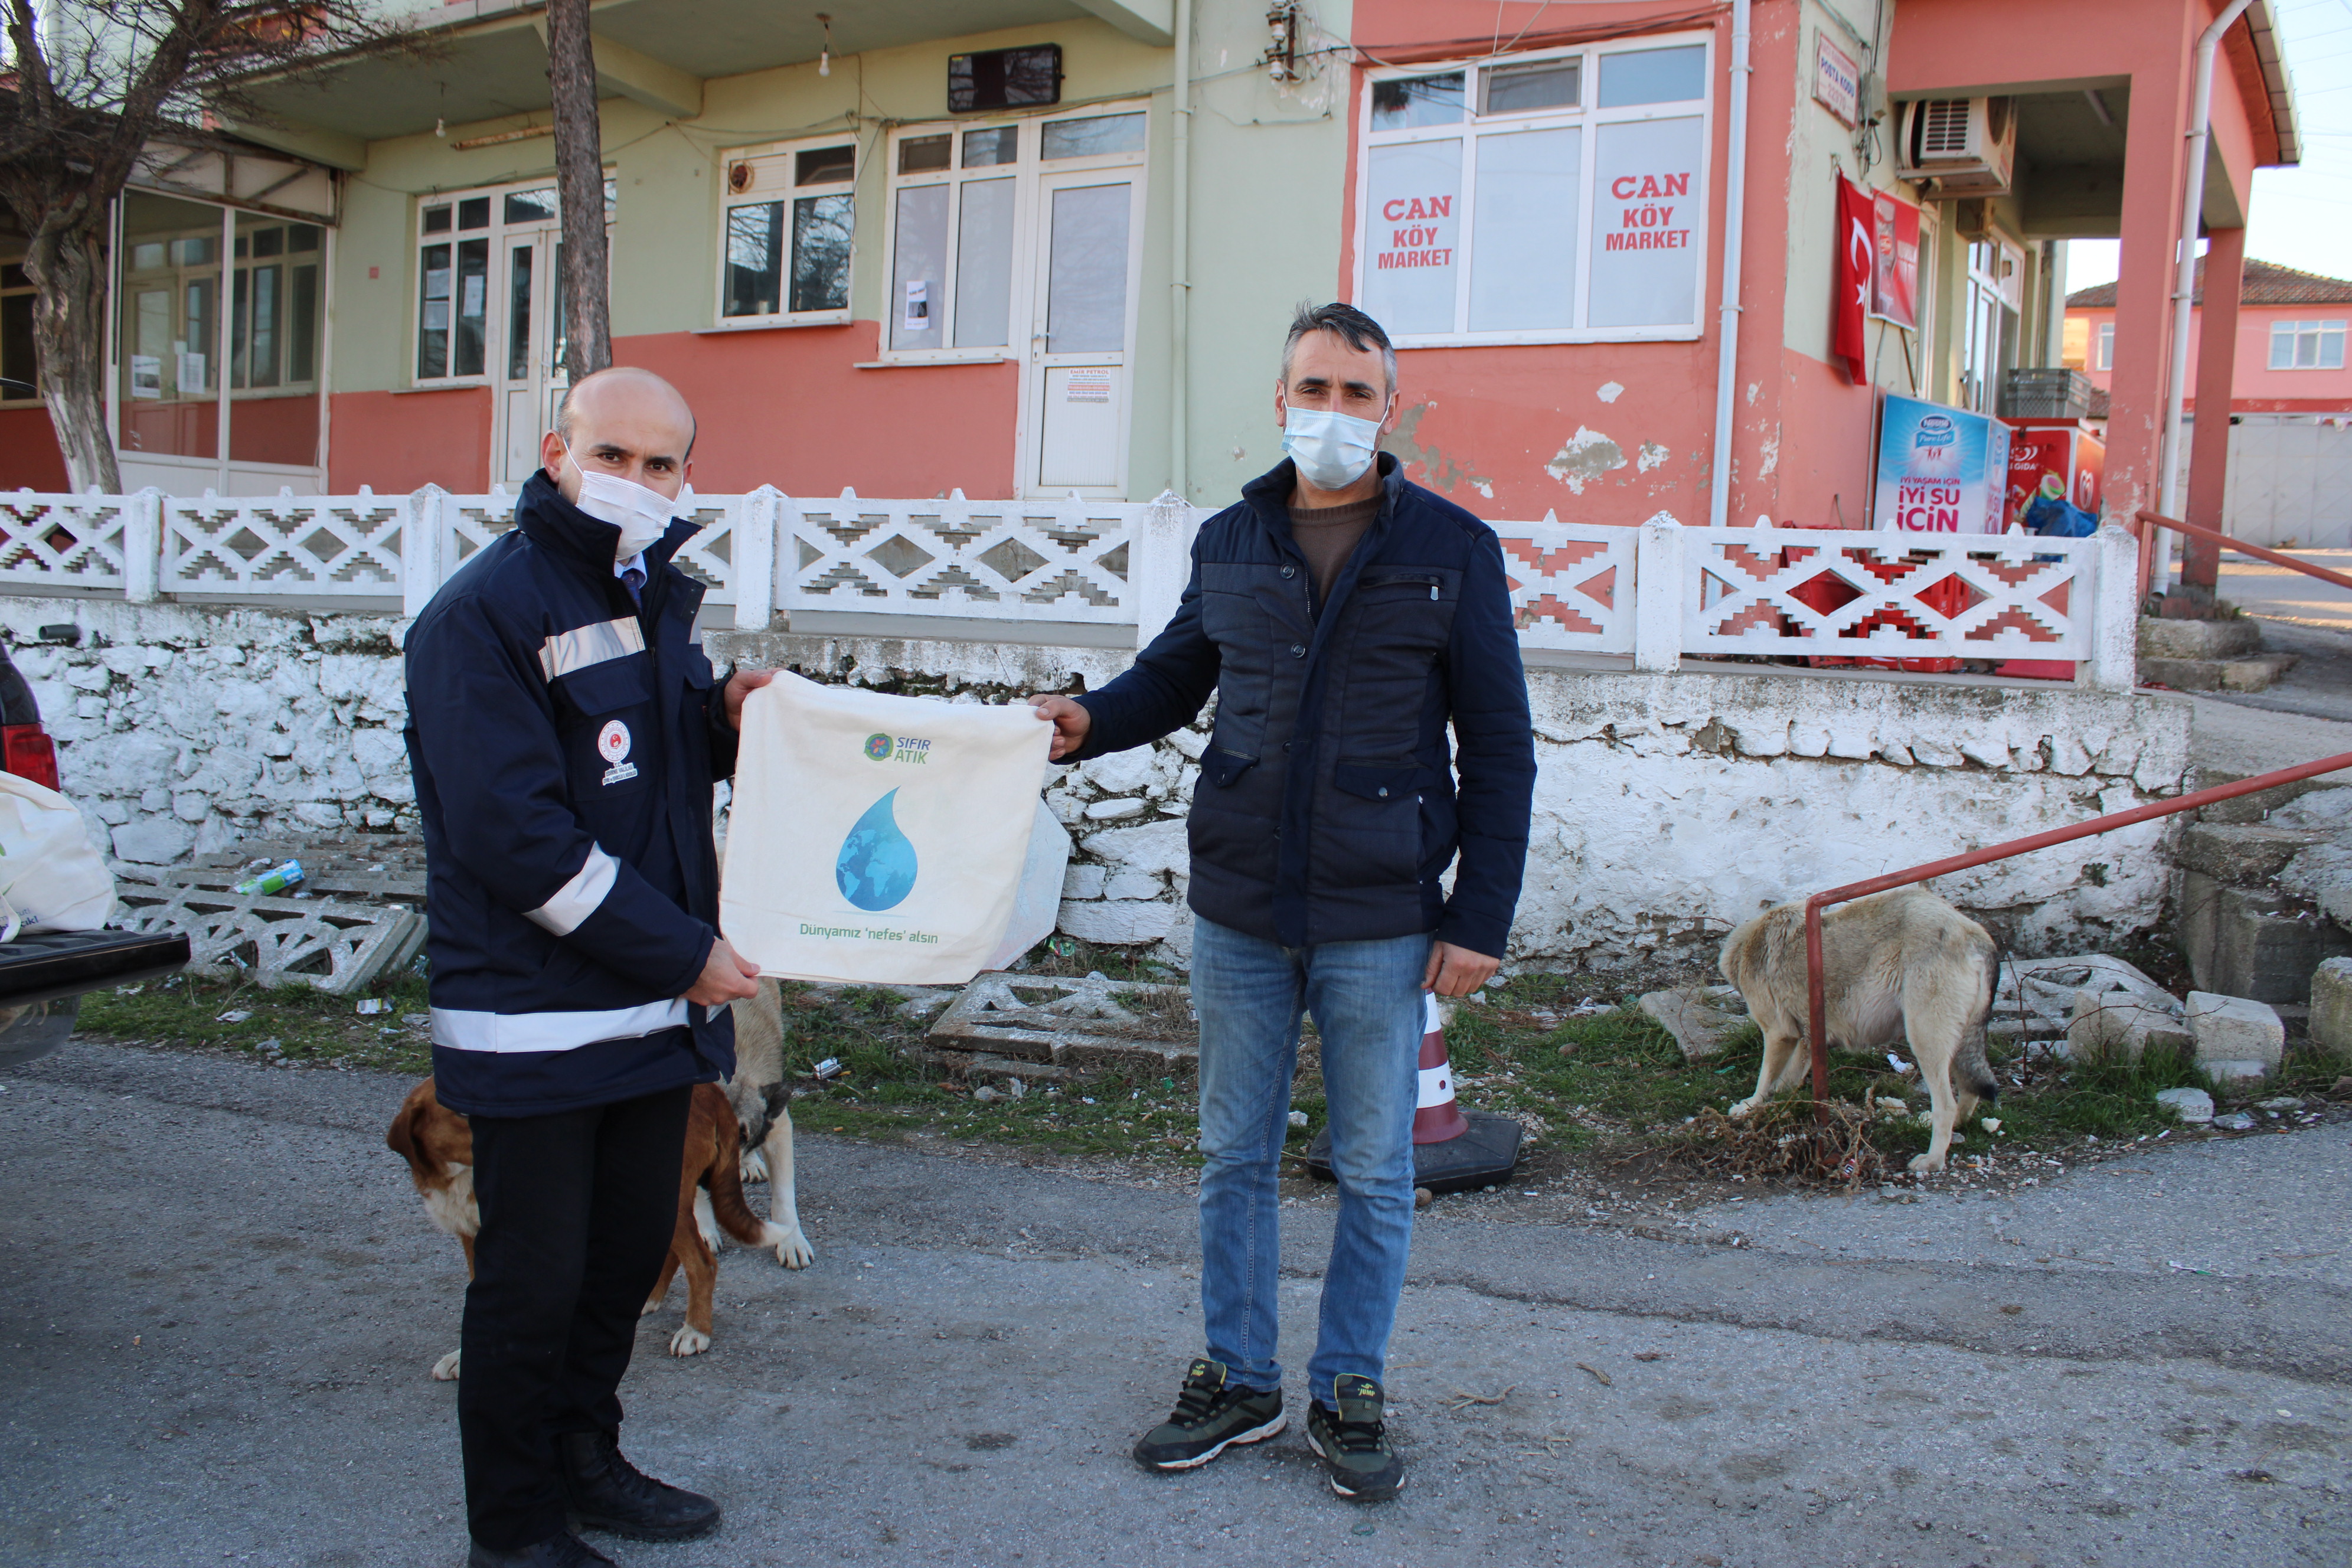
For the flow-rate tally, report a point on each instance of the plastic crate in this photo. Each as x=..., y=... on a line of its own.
x=2046, y=394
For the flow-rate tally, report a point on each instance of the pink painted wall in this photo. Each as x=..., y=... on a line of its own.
x=2255, y=388
x=400, y=441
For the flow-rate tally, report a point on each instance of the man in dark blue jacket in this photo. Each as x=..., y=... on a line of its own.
x=564, y=734
x=1344, y=618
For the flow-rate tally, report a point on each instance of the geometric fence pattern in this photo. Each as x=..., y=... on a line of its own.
x=1032, y=560
x=1817, y=592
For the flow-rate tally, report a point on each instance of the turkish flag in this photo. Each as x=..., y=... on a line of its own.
x=1855, y=223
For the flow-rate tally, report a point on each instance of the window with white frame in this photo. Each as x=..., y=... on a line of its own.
x=18, y=361
x=2306, y=345
x=960, y=251
x=1550, y=197
x=791, y=220
x=2103, y=356
x=457, y=234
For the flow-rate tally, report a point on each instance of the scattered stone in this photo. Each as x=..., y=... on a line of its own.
x=2235, y=1121
x=985, y=1094
x=2331, y=1006
x=2281, y=1102
x=2193, y=1106
x=2235, y=1029
x=1423, y=1197
x=2236, y=1072
x=1695, y=1016
x=924, y=1005
x=2118, y=1026
x=1113, y=809
x=1299, y=1119
x=1016, y=1089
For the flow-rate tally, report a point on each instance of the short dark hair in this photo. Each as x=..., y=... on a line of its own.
x=1355, y=329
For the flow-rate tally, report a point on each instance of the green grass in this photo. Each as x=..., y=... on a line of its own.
x=1600, y=1087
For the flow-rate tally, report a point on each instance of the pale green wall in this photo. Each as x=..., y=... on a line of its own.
x=1269, y=207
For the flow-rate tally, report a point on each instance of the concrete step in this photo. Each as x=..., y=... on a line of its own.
x=2200, y=640
x=2253, y=672
x=2254, y=942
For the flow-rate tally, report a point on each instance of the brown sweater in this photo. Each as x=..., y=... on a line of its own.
x=1326, y=536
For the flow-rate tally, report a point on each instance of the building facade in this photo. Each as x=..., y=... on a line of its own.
x=983, y=244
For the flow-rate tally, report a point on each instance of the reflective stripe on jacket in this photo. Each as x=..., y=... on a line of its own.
x=564, y=742
x=1330, y=803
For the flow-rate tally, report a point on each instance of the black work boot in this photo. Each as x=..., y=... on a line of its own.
x=561, y=1550
x=607, y=1492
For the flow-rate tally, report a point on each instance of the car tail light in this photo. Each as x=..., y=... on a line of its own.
x=26, y=750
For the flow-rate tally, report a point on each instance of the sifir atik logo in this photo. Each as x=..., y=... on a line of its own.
x=880, y=748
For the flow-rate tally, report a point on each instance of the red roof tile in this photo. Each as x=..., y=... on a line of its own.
x=2266, y=283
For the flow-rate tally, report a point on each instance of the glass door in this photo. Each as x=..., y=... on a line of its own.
x=1077, y=379
x=526, y=334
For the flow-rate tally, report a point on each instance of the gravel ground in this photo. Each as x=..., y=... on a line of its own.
x=223, y=1297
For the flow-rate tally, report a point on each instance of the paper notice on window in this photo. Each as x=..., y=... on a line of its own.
x=191, y=374
x=147, y=376
x=1088, y=386
x=472, y=304
x=919, y=307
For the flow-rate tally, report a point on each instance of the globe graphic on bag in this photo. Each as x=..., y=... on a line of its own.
x=876, y=867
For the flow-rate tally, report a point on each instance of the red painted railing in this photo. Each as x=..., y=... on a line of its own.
x=2108, y=823
x=2149, y=521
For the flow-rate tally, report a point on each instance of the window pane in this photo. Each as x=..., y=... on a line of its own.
x=824, y=165
x=432, y=312
x=1417, y=101
x=1653, y=76
x=436, y=220
x=1523, y=244
x=990, y=149
x=474, y=212
x=473, y=305
x=149, y=257
x=2331, y=346
x=17, y=361
x=755, y=245
x=1086, y=284
x=518, y=312
x=2283, y=345
x=919, y=271
x=269, y=242
x=194, y=252
x=262, y=350
x=1087, y=138
x=1411, y=234
x=1645, y=211
x=1516, y=89
x=531, y=206
x=303, y=325
x=238, y=328
x=302, y=237
x=921, y=154
x=821, y=227
x=983, y=304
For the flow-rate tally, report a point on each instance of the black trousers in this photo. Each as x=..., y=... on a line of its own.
x=577, y=1213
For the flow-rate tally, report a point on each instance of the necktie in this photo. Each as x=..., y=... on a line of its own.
x=635, y=582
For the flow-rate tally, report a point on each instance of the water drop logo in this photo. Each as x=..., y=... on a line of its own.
x=875, y=868
x=877, y=747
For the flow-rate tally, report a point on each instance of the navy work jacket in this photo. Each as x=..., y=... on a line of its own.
x=1329, y=803
x=564, y=742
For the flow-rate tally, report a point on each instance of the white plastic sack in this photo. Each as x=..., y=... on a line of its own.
x=878, y=839
x=51, y=874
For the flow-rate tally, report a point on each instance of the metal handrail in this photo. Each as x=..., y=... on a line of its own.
x=2149, y=520
x=2108, y=823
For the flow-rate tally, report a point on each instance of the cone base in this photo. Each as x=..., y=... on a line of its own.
x=1485, y=1155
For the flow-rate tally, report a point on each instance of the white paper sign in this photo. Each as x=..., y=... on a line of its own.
x=191, y=374
x=147, y=376
x=919, y=307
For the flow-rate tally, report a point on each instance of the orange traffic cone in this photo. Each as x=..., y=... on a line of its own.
x=1452, y=1150
x=1436, y=1118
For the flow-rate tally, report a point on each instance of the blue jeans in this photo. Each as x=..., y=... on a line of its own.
x=1366, y=998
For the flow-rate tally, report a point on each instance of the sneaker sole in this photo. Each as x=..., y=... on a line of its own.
x=1352, y=1495
x=629, y=1530
x=1256, y=1435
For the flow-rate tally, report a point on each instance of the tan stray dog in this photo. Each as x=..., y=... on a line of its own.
x=439, y=1144
x=1903, y=964
x=758, y=1094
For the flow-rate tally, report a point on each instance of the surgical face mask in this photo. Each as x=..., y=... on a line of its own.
x=642, y=514
x=1332, y=449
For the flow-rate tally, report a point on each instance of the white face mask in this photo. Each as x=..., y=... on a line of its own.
x=1332, y=449
x=642, y=514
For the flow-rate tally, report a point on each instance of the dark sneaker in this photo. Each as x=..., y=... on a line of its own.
x=1212, y=1415
x=607, y=1492
x=1353, y=1444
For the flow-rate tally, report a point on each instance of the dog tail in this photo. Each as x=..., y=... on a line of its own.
x=725, y=1184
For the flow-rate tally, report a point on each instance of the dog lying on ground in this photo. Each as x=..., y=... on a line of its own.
x=439, y=1144
x=1902, y=964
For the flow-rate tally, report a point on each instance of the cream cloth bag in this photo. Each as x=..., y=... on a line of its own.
x=52, y=877
x=878, y=839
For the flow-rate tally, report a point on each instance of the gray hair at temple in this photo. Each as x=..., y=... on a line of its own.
x=1355, y=329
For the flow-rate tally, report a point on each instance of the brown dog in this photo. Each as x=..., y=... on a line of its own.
x=439, y=1144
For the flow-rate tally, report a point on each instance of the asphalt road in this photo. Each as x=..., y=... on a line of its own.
x=222, y=1299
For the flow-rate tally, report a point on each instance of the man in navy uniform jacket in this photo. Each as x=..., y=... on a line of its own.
x=564, y=731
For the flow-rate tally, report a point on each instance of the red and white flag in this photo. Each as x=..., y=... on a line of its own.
x=1856, y=221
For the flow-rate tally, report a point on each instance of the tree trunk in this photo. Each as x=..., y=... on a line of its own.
x=68, y=269
x=579, y=188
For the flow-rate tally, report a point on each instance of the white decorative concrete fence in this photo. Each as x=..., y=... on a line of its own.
x=1656, y=593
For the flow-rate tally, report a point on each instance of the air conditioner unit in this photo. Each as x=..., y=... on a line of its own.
x=1961, y=146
